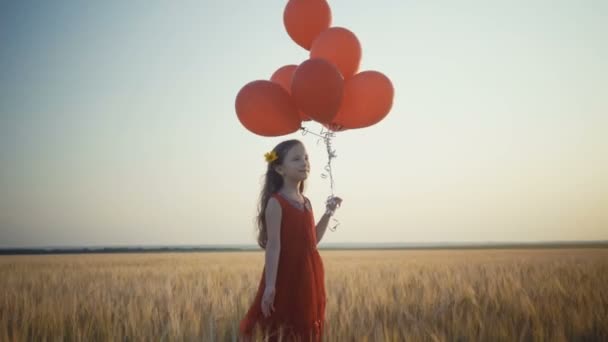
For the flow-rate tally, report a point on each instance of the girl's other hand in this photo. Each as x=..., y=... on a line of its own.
x=268, y=301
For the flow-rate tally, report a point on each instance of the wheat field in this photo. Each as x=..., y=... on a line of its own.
x=400, y=295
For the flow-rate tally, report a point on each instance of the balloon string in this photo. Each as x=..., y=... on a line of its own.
x=326, y=136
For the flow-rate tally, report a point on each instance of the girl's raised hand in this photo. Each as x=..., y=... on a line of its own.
x=332, y=204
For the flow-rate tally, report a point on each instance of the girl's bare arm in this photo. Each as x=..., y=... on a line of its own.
x=322, y=226
x=273, y=245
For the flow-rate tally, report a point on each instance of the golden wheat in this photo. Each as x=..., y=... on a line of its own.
x=442, y=295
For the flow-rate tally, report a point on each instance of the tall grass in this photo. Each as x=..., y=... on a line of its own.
x=444, y=295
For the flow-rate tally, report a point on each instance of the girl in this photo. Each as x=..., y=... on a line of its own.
x=290, y=300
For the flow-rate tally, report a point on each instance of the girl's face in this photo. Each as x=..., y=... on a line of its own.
x=295, y=165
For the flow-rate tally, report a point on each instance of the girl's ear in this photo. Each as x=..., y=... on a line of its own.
x=279, y=169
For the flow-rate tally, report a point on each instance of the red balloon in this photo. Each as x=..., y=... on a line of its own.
x=266, y=109
x=335, y=127
x=368, y=98
x=339, y=46
x=283, y=77
x=305, y=19
x=317, y=89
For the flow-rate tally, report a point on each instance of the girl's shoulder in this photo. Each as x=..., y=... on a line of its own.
x=275, y=196
x=274, y=205
x=306, y=200
x=307, y=203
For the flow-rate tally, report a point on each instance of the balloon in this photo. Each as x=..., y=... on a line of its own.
x=335, y=127
x=317, y=89
x=283, y=77
x=368, y=97
x=305, y=19
x=339, y=46
x=266, y=109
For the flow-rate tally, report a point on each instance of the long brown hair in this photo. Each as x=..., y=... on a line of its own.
x=273, y=182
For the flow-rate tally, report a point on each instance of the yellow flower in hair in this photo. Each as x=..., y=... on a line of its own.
x=271, y=156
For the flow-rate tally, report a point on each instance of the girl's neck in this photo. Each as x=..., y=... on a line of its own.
x=291, y=189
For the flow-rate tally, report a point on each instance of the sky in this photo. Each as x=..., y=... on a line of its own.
x=118, y=127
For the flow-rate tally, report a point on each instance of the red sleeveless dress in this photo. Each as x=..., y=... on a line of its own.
x=300, y=285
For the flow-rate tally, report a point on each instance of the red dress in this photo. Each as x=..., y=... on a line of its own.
x=299, y=300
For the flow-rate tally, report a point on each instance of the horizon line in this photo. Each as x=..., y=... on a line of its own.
x=329, y=244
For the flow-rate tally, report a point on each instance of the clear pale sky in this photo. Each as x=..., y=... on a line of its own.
x=117, y=122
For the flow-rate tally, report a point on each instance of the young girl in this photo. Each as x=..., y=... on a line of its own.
x=290, y=300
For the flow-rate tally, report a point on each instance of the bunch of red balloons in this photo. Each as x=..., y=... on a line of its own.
x=326, y=88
